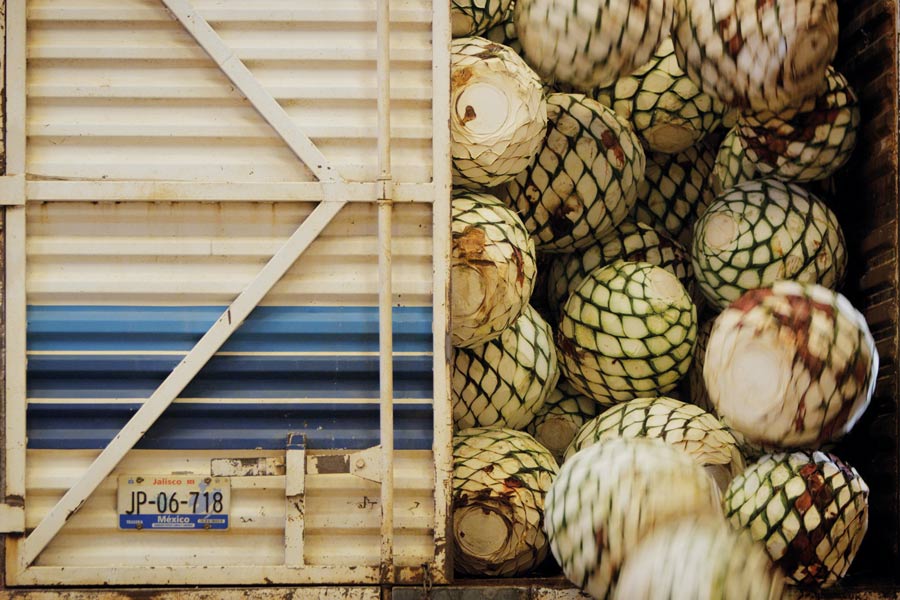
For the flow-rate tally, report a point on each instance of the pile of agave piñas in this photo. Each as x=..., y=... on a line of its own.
x=638, y=205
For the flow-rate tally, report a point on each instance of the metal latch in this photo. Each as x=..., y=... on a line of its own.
x=365, y=464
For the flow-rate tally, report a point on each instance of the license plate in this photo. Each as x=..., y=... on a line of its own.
x=173, y=502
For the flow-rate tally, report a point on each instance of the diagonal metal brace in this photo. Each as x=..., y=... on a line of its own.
x=179, y=378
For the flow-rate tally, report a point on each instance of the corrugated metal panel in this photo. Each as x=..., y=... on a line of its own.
x=342, y=515
x=117, y=89
x=129, y=122
x=183, y=253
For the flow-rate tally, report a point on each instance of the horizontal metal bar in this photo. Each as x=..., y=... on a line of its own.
x=118, y=191
x=268, y=593
x=244, y=13
x=210, y=575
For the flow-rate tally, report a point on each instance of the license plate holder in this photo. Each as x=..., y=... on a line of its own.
x=191, y=502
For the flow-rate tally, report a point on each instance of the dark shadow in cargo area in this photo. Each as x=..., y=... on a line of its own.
x=867, y=207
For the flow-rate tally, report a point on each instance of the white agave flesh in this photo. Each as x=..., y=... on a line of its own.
x=500, y=480
x=498, y=115
x=699, y=557
x=590, y=43
x=764, y=231
x=665, y=107
x=610, y=496
x=759, y=55
x=504, y=382
x=790, y=366
x=583, y=182
x=683, y=426
x=492, y=269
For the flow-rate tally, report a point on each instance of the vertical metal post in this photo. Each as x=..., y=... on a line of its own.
x=385, y=297
x=442, y=569
x=295, y=500
x=14, y=260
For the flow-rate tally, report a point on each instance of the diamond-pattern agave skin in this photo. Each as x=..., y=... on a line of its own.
x=699, y=395
x=814, y=143
x=475, y=17
x=500, y=481
x=759, y=55
x=504, y=382
x=590, y=43
x=663, y=104
x=492, y=268
x=810, y=510
x=561, y=417
x=504, y=32
x=699, y=557
x=610, y=496
x=627, y=331
x=791, y=366
x=732, y=166
x=629, y=241
x=675, y=191
x=683, y=426
x=763, y=231
x=498, y=115
x=584, y=180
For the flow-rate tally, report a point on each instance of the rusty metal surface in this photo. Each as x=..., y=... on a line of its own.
x=273, y=593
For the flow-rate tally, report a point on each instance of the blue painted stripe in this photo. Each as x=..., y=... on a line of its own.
x=196, y=426
x=138, y=376
x=107, y=352
x=267, y=329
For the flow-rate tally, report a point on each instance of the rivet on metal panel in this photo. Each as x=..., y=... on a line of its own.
x=368, y=464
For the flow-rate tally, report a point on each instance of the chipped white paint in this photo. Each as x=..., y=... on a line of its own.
x=178, y=379
x=176, y=132
x=12, y=190
x=15, y=259
x=225, y=57
x=295, y=505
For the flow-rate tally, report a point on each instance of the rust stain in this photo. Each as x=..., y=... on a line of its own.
x=513, y=483
x=461, y=77
x=567, y=346
x=520, y=266
x=469, y=244
x=490, y=51
x=470, y=114
x=611, y=142
x=800, y=417
x=559, y=220
x=750, y=300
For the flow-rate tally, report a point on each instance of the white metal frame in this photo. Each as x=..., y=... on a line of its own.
x=332, y=194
